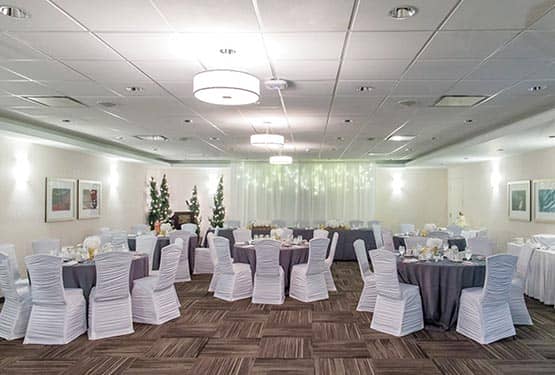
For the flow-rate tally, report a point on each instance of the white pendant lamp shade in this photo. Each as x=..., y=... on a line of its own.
x=281, y=159
x=267, y=140
x=226, y=87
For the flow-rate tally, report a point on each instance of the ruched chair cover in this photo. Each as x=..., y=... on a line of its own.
x=308, y=281
x=242, y=235
x=406, y=228
x=269, y=278
x=203, y=258
x=387, y=236
x=367, y=300
x=484, y=313
x=9, y=250
x=110, y=312
x=46, y=247
x=517, y=304
x=355, y=224
x=329, y=262
x=430, y=227
x=119, y=240
x=286, y=233
x=214, y=260
x=398, y=309
x=140, y=229
x=189, y=227
x=480, y=246
x=320, y=233
x=17, y=302
x=58, y=314
x=434, y=242
x=183, y=273
x=154, y=299
x=234, y=281
x=413, y=242
x=146, y=244
x=105, y=237
x=183, y=234
x=377, y=231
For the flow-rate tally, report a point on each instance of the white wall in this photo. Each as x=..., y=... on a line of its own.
x=483, y=193
x=23, y=200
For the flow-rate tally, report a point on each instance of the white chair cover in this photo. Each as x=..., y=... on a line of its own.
x=154, y=299
x=377, y=230
x=430, y=227
x=455, y=229
x=269, y=282
x=183, y=234
x=232, y=224
x=203, y=258
x=517, y=304
x=234, y=280
x=47, y=247
x=330, y=283
x=17, y=302
x=183, y=272
x=146, y=244
x=320, y=233
x=434, y=242
x=189, y=227
x=354, y=224
x=480, y=246
x=439, y=234
x=9, y=250
x=105, y=237
x=286, y=234
x=119, y=240
x=279, y=223
x=308, y=281
x=367, y=300
x=387, y=236
x=413, y=242
x=103, y=229
x=406, y=228
x=58, y=315
x=242, y=235
x=398, y=309
x=484, y=313
x=110, y=312
x=140, y=229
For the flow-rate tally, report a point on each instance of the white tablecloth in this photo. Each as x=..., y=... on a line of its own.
x=547, y=240
x=541, y=276
x=473, y=233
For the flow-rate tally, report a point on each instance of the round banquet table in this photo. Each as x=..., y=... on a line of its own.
x=460, y=242
x=288, y=257
x=83, y=275
x=161, y=242
x=440, y=285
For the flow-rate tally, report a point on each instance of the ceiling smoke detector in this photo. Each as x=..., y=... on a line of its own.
x=275, y=84
x=14, y=12
x=536, y=88
x=363, y=89
x=402, y=12
x=134, y=89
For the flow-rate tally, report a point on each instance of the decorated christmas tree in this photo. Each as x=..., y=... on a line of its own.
x=154, y=212
x=194, y=207
x=218, y=211
x=165, y=212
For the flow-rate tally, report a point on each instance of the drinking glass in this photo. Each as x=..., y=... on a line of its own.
x=468, y=253
x=401, y=251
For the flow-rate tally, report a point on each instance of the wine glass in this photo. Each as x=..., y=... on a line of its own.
x=401, y=251
x=468, y=253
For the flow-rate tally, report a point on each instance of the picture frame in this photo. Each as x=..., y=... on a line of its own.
x=518, y=200
x=60, y=199
x=544, y=200
x=89, y=199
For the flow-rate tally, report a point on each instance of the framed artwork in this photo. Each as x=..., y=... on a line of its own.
x=519, y=200
x=89, y=198
x=60, y=199
x=544, y=200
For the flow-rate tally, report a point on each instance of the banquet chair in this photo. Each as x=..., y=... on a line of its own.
x=354, y=224
x=105, y=237
x=387, y=237
x=146, y=244
x=183, y=234
x=189, y=227
x=110, y=312
x=232, y=224
x=367, y=300
x=154, y=299
x=484, y=313
x=203, y=258
x=439, y=234
x=269, y=278
x=308, y=282
x=9, y=250
x=454, y=229
x=398, y=309
x=183, y=272
x=480, y=246
x=17, y=302
x=234, y=280
x=286, y=234
x=279, y=223
x=46, y=247
x=434, y=242
x=329, y=262
x=58, y=314
x=320, y=233
x=372, y=222
x=242, y=235
x=377, y=231
x=407, y=228
x=517, y=304
x=119, y=240
x=430, y=227
x=413, y=242
x=140, y=229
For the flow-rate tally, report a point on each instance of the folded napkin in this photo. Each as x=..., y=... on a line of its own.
x=410, y=260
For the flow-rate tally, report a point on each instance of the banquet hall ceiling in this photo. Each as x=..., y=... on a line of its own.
x=93, y=51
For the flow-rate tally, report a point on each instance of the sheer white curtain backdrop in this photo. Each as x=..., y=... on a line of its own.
x=301, y=192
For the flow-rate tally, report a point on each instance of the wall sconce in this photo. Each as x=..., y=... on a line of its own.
x=495, y=177
x=397, y=184
x=113, y=179
x=22, y=169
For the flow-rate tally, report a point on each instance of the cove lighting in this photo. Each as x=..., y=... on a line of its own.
x=226, y=87
x=267, y=140
x=401, y=138
x=281, y=159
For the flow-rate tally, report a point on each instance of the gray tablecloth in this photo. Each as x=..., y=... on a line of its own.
x=344, y=250
x=460, y=242
x=165, y=241
x=83, y=275
x=288, y=257
x=440, y=287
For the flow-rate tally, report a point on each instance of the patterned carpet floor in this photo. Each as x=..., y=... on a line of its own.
x=327, y=337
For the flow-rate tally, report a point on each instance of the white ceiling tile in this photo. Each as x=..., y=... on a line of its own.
x=307, y=69
x=386, y=45
x=305, y=46
x=422, y=87
x=108, y=71
x=373, y=69
x=309, y=88
x=308, y=15
x=546, y=23
x=179, y=89
x=16, y=102
x=154, y=46
x=78, y=88
x=209, y=15
x=373, y=15
x=349, y=106
x=26, y=88
x=479, y=87
x=493, y=15
x=43, y=70
x=170, y=70
x=465, y=44
x=545, y=72
x=11, y=49
x=378, y=88
x=504, y=69
x=308, y=104
x=44, y=17
x=120, y=15
x=6, y=75
x=523, y=88
x=530, y=45
x=150, y=89
x=440, y=69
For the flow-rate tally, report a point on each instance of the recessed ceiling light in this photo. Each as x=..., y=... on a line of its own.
x=370, y=139
x=118, y=138
x=401, y=138
x=276, y=84
x=364, y=89
x=281, y=159
x=469, y=121
x=66, y=120
x=226, y=87
x=267, y=140
x=434, y=139
x=184, y=139
x=214, y=139
x=459, y=100
x=134, y=89
x=500, y=150
x=227, y=51
x=552, y=136
x=403, y=12
x=14, y=12
x=187, y=121
x=107, y=104
x=154, y=138
x=536, y=88
x=340, y=139
x=347, y=121
x=370, y=153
